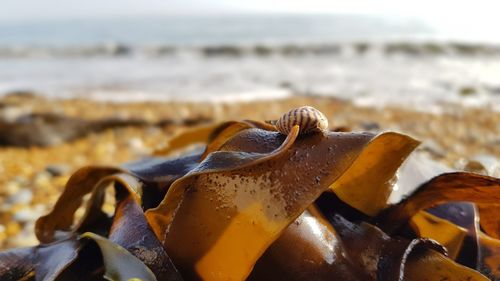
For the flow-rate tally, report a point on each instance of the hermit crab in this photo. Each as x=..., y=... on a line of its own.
x=257, y=201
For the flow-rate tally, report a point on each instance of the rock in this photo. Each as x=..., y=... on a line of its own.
x=483, y=164
x=11, y=113
x=22, y=180
x=12, y=228
x=27, y=214
x=137, y=146
x=25, y=238
x=417, y=169
x=370, y=126
x=24, y=94
x=42, y=179
x=49, y=129
x=213, y=51
x=118, y=49
x=285, y=84
x=57, y=170
x=23, y=196
x=433, y=148
x=11, y=188
x=467, y=91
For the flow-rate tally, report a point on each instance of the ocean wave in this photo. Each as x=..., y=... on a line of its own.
x=261, y=50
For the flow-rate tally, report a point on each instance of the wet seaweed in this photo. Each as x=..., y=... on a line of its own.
x=256, y=204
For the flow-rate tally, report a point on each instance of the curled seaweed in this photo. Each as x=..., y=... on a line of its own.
x=460, y=186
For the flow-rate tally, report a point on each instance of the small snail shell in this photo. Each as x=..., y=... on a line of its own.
x=308, y=118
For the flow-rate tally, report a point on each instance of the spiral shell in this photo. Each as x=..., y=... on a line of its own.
x=308, y=118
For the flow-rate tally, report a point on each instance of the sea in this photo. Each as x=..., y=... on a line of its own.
x=369, y=60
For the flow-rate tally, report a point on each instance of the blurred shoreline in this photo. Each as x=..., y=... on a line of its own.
x=116, y=49
x=370, y=60
x=428, y=74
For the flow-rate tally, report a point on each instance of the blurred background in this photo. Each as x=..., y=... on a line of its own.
x=104, y=82
x=372, y=53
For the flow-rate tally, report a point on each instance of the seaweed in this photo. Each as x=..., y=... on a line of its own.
x=256, y=204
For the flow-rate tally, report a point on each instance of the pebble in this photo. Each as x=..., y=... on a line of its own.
x=11, y=113
x=21, y=180
x=433, y=148
x=25, y=238
x=11, y=188
x=370, y=126
x=42, y=179
x=137, y=146
x=57, y=170
x=12, y=228
x=29, y=214
x=22, y=196
x=483, y=164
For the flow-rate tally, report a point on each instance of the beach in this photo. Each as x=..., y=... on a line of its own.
x=112, y=90
x=33, y=177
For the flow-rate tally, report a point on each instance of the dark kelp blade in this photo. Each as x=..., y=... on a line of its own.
x=53, y=258
x=18, y=264
x=53, y=261
x=387, y=258
x=465, y=216
x=131, y=231
x=158, y=173
x=309, y=249
x=120, y=265
x=45, y=262
x=243, y=196
x=163, y=170
x=459, y=186
x=477, y=250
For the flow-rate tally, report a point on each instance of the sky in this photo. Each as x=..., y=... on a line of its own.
x=18, y=9
x=452, y=14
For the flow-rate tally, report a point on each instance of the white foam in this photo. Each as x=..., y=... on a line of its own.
x=374, y=79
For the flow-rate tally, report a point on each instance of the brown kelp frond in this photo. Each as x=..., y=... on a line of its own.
x=246, y=202
x=459, y=186
x=61, y=217
x=368, y=182
x=489, y=219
